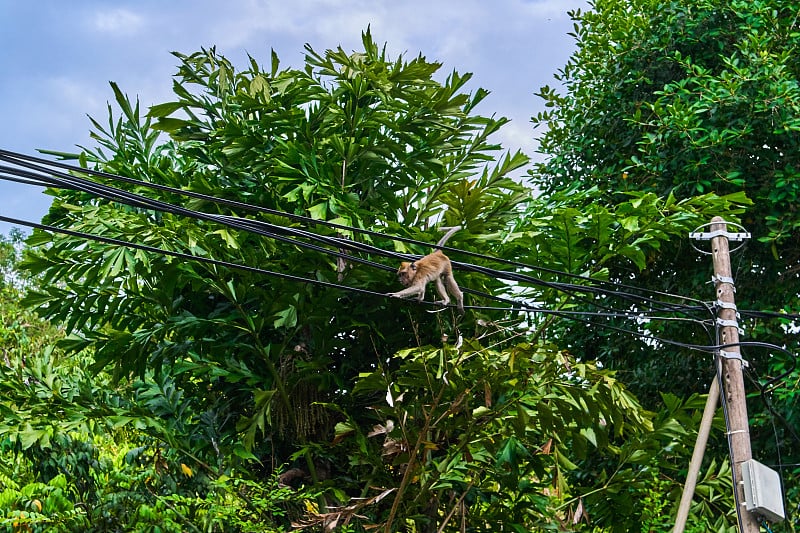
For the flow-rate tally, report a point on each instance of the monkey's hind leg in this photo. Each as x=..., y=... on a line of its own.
x=442, y=292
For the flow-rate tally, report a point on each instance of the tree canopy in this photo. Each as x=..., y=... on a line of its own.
x=681, y=98
x=242, y=347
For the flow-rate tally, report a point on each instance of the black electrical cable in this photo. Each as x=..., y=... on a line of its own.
x=254, y=226
x=593, y=314
x=258, y=227
x=135, y=200
x=29, y=162
x=152, y=249
x=182, y=255
x=235, y=222
x=114, y=194
x=17, y=176
x=767, y=314
x=26, y=160
x=514, y=306
x=754, y=379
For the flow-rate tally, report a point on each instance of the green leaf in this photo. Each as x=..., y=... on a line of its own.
x=241, y=452
x=590, y=435
x=286, y=318
x=162, y=110
x=228, y=237
x=319, y=211
x=171, y=125
x=630, y=223
x=30, y=436
x=342, y=429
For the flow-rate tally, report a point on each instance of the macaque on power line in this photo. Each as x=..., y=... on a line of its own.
x=435, y=267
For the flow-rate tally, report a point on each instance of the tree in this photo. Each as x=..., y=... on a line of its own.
x=682, y=98
x=80, y=453
x=330, y=142
x=393, y=415
x=354, y=139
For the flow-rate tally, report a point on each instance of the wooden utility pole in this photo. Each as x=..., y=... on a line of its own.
x=729, y=363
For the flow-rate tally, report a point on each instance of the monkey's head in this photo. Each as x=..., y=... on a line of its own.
x=406, y=273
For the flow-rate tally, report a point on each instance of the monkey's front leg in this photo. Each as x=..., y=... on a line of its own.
x=411, y=291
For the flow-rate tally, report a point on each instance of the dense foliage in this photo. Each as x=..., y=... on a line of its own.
x=680, y=98
x=195, y=395
x=80, y=453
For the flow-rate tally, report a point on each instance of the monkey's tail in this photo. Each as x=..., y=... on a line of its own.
x=446, y=236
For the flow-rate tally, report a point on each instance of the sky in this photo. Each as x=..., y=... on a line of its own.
x=59, y=57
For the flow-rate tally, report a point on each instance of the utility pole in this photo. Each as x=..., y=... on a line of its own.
x=729, y=364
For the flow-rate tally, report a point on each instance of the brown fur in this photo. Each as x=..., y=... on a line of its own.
x=434, y=267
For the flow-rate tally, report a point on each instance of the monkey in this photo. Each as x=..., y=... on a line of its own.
x=436, y=267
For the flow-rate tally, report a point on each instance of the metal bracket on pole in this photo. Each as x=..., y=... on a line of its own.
x=730, y=324
x=730, y=355
x=698, y=235
x=734, y=355
x=725, y=305
x=722, y=279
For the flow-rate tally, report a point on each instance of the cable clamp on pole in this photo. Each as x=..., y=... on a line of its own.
x=725, y=305
x=722, y=279
x=729, y=324
x=735, y=356
x=730, y=355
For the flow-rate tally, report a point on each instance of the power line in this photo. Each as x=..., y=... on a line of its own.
x=273, y=231
x=66, y=181
x=46, y=177
x=60, y=180
x=514, y=306
x=258, y=226
x=182, y=255
x=41, y=165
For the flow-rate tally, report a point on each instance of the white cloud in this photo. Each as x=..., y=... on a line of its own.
x=117, y=21
x=70, y=93
x=304, y=20
x=545, y=8
x=445, y=31
x=63, y=108
x=518, y=135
